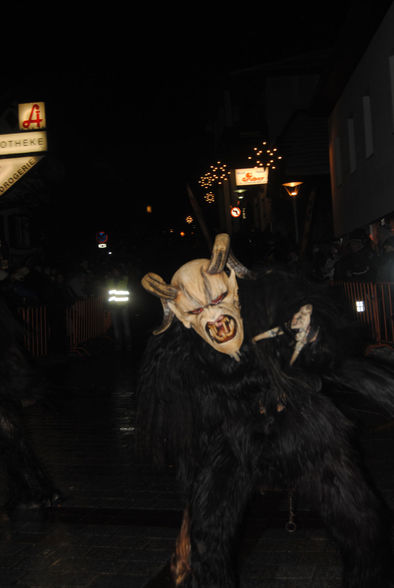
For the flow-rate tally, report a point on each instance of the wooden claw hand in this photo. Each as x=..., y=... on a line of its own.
x=301, y=323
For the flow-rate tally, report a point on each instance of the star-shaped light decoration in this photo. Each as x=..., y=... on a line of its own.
x=217, y=174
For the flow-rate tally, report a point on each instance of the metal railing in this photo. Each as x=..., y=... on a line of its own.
x=372, y=304
x=36, y=332
x=85, y=320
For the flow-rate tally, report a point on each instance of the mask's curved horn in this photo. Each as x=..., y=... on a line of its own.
x=168, y=316
x=154, y=284
x=220, y=250
x=240, y=270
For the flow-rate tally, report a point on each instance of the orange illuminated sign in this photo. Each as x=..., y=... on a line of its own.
x=251, y=176
x=235, y=211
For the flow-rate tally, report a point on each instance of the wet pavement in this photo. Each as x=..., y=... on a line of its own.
x=118, y=524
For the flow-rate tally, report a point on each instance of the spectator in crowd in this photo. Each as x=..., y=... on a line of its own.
x=119, y=304
x=16, y=289
x=57, y=305
x=79, y=281
x=38, y=280
x=327, y=265
x=358, y=262
x=385, y=264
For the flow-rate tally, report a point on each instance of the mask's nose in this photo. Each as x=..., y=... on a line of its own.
x=213, y=315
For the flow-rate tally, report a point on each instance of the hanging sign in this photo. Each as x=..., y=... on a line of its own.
x=31, y=116
x=251, y=176
x=11, y=170
x=23, y=144
x=15, y=143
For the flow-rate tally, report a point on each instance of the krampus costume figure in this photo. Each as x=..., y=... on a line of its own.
x=29, y=485
x=240, y=392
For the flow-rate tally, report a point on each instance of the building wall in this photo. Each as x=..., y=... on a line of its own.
x=285, y=95
x=361, y=137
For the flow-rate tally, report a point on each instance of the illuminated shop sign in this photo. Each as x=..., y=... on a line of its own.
x=23, y=145
x=11, y=170
x=251, y=176
x=31, y=116
x=15, y=143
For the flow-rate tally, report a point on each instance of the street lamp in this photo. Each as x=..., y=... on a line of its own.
x=292, y=188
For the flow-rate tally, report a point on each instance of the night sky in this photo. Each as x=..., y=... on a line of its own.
x=128, y=116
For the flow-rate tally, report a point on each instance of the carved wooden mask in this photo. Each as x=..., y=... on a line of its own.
x=204, y=297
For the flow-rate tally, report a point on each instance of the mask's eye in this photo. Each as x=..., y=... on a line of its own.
x=219, y=298
x=196, y=311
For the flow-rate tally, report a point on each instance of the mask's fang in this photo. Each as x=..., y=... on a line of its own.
x=222, y=330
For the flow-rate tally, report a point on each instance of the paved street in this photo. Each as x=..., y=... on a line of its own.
x=117, y=526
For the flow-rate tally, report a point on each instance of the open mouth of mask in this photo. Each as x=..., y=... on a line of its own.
x=222, y=330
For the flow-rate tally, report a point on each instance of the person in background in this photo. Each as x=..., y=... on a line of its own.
x=385, y=265
x=119, y=304
x=78, y=281
x=358, y=262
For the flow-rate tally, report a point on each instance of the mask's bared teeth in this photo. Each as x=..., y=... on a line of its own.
x=222, y=330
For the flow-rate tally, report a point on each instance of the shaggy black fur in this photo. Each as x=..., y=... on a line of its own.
x=231, y=427
x=29, y=485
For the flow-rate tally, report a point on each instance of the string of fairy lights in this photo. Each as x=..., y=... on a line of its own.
x=265, y=156
x=262, y=155
x=215, y=176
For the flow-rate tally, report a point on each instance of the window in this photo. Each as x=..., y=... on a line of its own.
x=391, y=71
x=337, y=161
x=19, y=231
x=367, y=126
x=352, y=145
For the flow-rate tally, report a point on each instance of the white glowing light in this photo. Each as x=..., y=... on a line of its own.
x=118, y=295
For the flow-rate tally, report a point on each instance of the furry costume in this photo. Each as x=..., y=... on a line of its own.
x=30, y=486
x=261, y=414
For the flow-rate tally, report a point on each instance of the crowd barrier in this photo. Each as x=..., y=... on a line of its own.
x=85, y=320
x=36, y=332
x=372, y=304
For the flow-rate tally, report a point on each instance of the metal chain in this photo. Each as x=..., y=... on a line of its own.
x=290, y=526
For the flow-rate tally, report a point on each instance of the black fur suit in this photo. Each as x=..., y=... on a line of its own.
x=234, y=426
x=29, y=485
